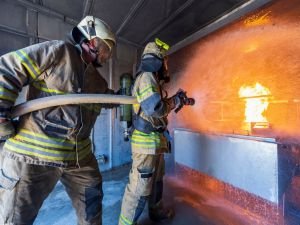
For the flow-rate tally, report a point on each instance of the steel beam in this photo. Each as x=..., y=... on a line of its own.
x=42, y=9
x=11, y=30
x=32, y=24
x=137, y=5
x=88, y=7
x=168, y=20
x=125, y=41
x=47, y=11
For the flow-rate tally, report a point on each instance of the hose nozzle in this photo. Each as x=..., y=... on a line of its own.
x=184, y=100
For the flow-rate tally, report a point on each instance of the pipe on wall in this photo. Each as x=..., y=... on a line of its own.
x=111, y=117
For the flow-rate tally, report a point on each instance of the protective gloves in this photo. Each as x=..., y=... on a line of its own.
x=174, y=101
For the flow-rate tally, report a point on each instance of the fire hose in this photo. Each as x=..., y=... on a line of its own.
x=184, y=100
x=72, y=99
x=69, y=99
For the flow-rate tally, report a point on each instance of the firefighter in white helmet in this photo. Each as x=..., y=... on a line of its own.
x=53, y=144
x=149, y=139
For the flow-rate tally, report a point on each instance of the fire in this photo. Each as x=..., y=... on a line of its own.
x=256, y=98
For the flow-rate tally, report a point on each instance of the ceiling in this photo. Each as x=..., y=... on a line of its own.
x=139, y=21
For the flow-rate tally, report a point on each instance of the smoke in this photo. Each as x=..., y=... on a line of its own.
x=213, y=70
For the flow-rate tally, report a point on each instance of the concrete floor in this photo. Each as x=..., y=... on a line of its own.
x=193, y=207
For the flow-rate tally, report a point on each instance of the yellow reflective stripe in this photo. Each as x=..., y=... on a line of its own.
x=31, y=62
x=154, y=145
x=148, y=145
x=145, y=91
x=3, y=89
x=144, y=134
x=34, y=147
x=39, y=86
x=81, y=154
x=145, y=141
x=125, y=220
x=14, y=149
x=84, y=152
x=52, y=158
x=52, y=138
x=143, y=145
x=122, y=222
x=150, y=137
x=27, y=67
x=34, y=141
x=45, y=136
x=7, y=98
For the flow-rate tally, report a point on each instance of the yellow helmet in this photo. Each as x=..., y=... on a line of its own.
x=92, y=27
x=157, y=48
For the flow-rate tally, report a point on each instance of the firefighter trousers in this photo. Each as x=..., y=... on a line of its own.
x=24, y=187
x=145, y=184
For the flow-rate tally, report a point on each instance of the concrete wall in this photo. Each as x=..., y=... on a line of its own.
x=21, y=25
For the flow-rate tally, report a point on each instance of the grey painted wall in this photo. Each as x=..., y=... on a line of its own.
x=20, y=27
x=237, y=160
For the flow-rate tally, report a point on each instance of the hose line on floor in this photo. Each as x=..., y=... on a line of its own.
x=70, y=99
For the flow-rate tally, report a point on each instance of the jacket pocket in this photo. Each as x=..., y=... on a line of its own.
x=61, y=121
x=57, y=129
x=6, y=181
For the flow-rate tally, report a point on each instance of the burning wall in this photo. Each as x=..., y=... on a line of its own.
x=261, y=48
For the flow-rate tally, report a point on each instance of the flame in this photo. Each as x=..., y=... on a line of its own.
x=256, y=98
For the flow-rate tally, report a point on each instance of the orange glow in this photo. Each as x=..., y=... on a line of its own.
x=213, y=69
x=251, y=48
x=261, y=18
x=256, y=98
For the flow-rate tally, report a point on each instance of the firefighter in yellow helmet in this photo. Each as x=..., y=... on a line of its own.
x=149, y=138
x=53, y=144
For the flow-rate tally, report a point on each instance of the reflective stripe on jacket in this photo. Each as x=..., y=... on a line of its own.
x=57, y=135
x=153, y=108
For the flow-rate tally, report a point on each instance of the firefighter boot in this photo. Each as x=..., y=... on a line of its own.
x=159, y=213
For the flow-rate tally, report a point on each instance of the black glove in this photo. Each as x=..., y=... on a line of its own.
x=174, y=102
x=7, y=130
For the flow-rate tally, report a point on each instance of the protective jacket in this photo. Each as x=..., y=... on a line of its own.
x=152, y=111
x=56, y=136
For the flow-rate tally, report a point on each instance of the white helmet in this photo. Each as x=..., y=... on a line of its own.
x=92, y=27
